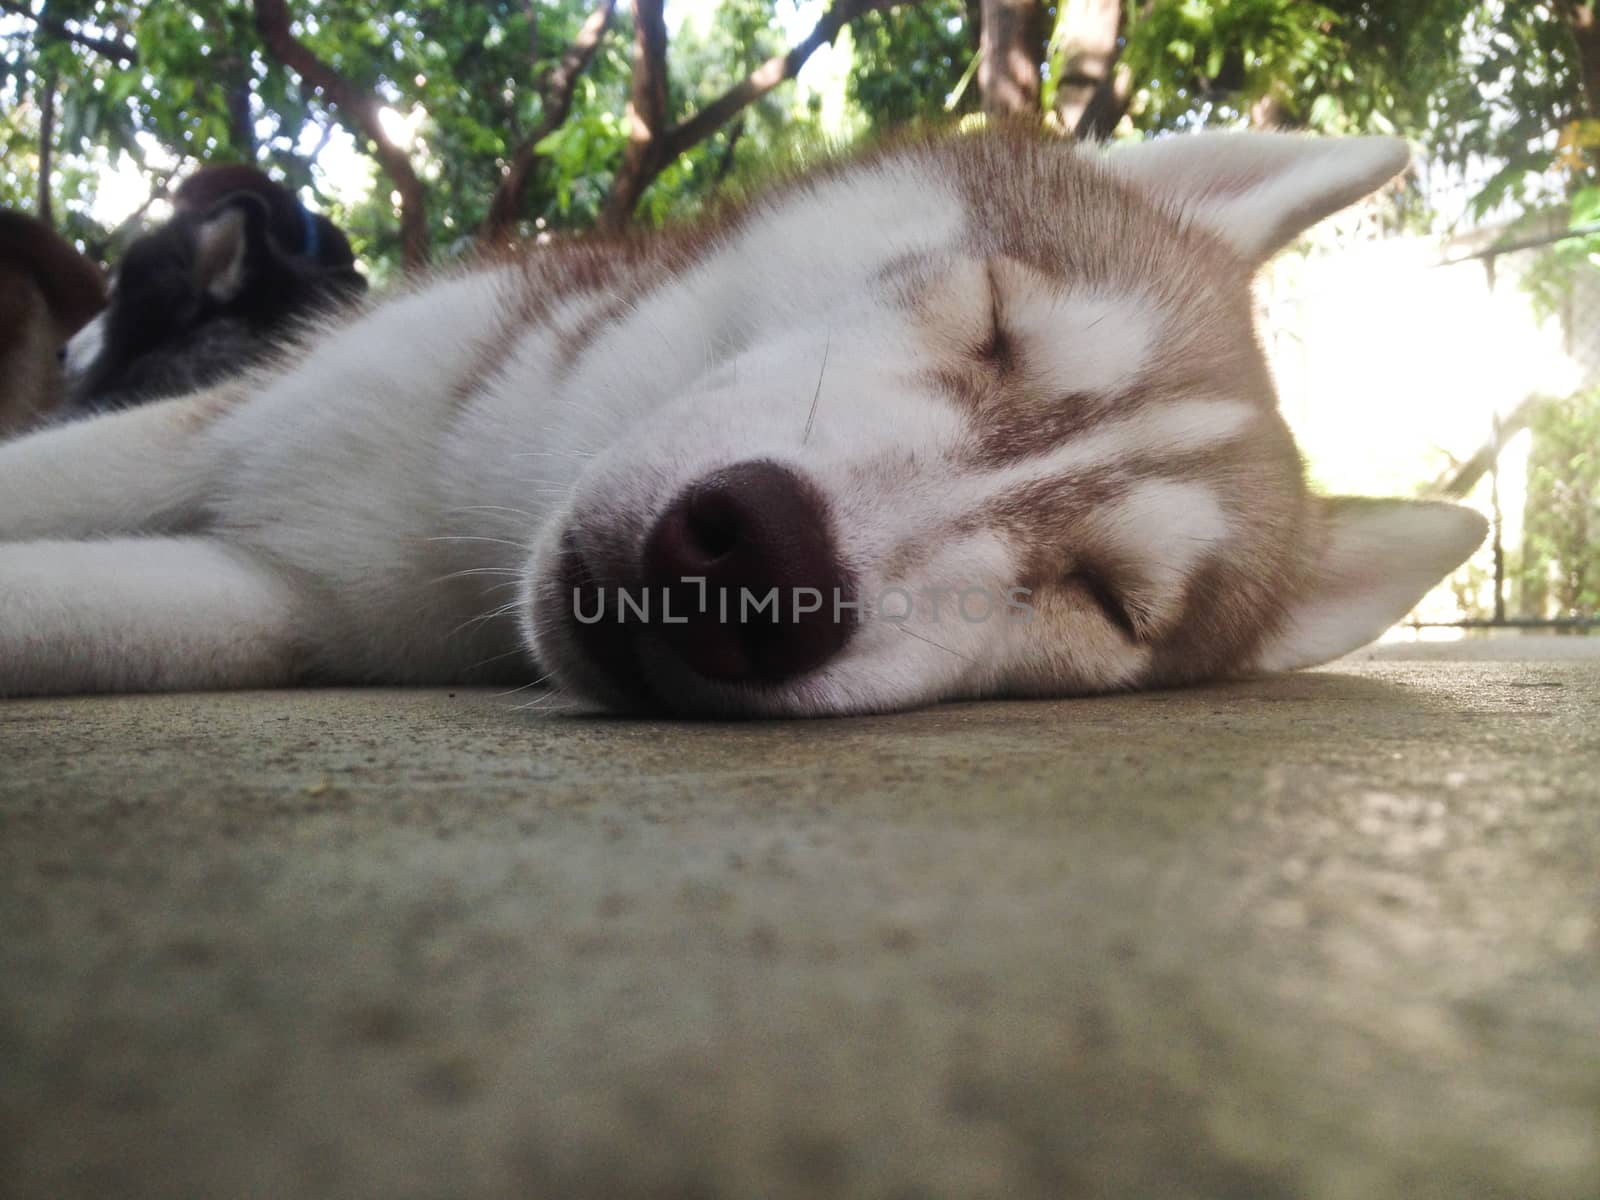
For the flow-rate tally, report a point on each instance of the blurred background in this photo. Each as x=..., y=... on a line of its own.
x=1441, y=340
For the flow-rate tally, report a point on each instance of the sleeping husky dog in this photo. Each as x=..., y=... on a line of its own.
x=966, y=416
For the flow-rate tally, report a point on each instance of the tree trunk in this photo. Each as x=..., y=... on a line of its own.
x=510, y=195
x=240, y=123
x=1584, y=22
x=1086, y=56
x=730, y=150
x=47, y=144
x=646, y=116
x=1269, y=112
x=1457, y=483
x=358, y=109
x=1008, y=60
x=231, y=67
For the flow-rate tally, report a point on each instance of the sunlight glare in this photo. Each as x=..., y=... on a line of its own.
x=122, y=186
x=343, y=172
x=402, y=131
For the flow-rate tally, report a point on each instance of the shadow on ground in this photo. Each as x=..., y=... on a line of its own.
x=1330, y=935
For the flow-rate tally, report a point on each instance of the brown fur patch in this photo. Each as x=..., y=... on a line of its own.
x=30, y=376
x=48, y=291
x=71, y=285
x=199, y=410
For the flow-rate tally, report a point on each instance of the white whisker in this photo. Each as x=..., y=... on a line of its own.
x=494, y=658
x=637, y=308
x=816, y=396
x=473, y=622
x=473, y=571
x=472, y=537
x=532, y=683
x=562, y=454
x=493, y=508
x=934, y=644
x=550, y=702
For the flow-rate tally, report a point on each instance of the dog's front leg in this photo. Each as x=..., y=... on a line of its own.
x=144, y=614
x=142, y=470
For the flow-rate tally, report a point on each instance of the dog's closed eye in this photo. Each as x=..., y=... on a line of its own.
x=1106, y=600
x=997, y=349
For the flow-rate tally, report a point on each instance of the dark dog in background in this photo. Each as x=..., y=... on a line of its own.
x=209, y=293
x=48, y=291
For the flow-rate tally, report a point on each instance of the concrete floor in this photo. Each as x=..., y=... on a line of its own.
x=1328, y=935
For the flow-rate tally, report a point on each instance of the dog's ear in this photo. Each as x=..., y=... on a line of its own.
x=1260, y=191
x=1372, y=561
x=229, y=240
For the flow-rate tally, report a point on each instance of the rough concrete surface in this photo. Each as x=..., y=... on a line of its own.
x=1329, y=935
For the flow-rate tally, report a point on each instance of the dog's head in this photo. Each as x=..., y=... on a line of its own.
x=206, y=295
x=1019, y=439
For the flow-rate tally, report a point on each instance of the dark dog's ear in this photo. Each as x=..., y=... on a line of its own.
x=230, y=239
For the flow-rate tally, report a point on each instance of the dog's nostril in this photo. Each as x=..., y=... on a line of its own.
x=747, y=565
x=713, y=523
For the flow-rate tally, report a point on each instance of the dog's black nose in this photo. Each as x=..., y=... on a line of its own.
x=775, y=601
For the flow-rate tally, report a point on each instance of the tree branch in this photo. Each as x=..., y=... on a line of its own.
x=1583, y=22
x=122, y=52
x=1457, y=482
x=652, y=146
x=776, y=70
x=1008, y=60
x=731, y=149
x=47, y=143
x=646, y=116
x=1086, y=50
x=531, y=7
x=358, y=108
x=1095, y=85
x=232, y=75
x=556, y=92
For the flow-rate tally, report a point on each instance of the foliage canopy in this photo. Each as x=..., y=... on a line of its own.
x=1494, y=90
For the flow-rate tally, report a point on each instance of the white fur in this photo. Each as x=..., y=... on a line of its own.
x=1087, y=341
x=135, y=471
x=823, y=242
x=389, y=508
x=1260, y=190
x=1379, y=558
x=145, y=614
x=84, y=347
x=1168, y=528
x=1183, y=427
x=220, y=246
